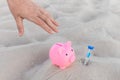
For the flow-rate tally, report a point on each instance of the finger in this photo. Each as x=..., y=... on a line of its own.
x=41, y=23
x=20, y=26
x=52, y=25
x=49, y=22
x=55, y=22
x=43, y=11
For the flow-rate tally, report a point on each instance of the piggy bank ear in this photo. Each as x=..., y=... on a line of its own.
x=68, y=44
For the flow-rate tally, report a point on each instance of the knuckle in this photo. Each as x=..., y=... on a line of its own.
x=47, y=20
x=46, y=13
x=20, y=28
x=42, y=24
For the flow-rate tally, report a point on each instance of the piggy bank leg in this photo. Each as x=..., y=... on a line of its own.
x=62, y=67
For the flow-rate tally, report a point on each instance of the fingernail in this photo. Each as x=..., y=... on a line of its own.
x=52, y=32
x=56, y=31
x=20, y=34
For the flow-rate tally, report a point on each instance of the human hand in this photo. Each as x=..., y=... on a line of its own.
x=26, y=9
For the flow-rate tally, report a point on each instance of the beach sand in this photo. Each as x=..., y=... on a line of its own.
x=83, y=22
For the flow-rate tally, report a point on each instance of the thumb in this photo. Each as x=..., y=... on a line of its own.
x=19, y=22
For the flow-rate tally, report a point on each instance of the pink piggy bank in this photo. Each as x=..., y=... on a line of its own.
x=62, y=54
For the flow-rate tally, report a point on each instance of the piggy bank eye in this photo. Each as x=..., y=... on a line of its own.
x=66, y=54
x=72, y=50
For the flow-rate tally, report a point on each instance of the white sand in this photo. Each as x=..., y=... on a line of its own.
x=84, y=22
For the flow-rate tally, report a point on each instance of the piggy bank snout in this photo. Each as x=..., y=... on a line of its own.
x=72, y=58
